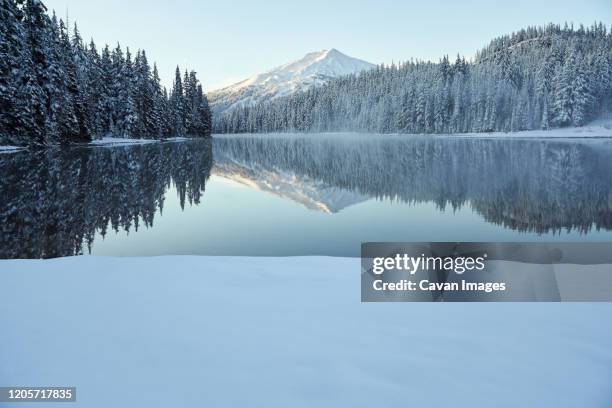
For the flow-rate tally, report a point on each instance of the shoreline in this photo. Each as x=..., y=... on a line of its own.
x=106, y=142
x=597, y=131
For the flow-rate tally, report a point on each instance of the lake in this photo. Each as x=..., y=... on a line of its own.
x=285, y=195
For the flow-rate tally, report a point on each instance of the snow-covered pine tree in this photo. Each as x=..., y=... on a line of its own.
x=204, y=116
x=106, y=99
x=35, y=24
x=76, y=126
x=116, y=89
x=94, y=90
x=61, y=122
x=177, y=105
x=54, y=89
x=189, y=89
x=563, y=102
x=80, y=63
x=145, y=97
x=128, y=117
x=167, y=115
x=158, y=108
x=582, y=93
x=17, y=81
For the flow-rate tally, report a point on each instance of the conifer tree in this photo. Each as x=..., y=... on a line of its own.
x=56, y=90
x=158, y=108
x=177, y=105
x=17, y=81
x=35, y=23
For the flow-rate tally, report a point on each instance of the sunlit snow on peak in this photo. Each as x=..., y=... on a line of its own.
x=314, y=69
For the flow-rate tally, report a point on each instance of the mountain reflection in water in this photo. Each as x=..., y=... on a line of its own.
x=55, y=202
x=538, y=186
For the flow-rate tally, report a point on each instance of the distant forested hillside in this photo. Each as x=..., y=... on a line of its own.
x=537, y=78
x=54, y=89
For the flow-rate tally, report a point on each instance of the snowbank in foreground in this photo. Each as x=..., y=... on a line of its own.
x=285, y=332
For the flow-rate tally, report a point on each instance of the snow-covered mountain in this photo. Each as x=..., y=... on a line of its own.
x=314, y=69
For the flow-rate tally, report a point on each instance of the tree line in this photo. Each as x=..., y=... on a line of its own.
x=536, y=78
x=54, y=89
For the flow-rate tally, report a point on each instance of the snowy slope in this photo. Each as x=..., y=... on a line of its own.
x=285, y=332
x=314, y=69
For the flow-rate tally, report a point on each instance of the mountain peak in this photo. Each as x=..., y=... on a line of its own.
x=333, y=52
x=314, y=69
x=328, y=53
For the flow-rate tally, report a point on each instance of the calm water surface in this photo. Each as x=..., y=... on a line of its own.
x=301, y=195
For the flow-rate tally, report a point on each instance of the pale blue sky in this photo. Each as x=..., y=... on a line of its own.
x=226, y=41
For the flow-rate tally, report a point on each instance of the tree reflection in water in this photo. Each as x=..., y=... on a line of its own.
x=54, y=201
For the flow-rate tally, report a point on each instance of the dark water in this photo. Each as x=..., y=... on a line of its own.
x=301, y=195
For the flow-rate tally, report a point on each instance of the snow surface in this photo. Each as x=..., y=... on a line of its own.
x=117, y=141
x=285, y=332
x=314, y=69
x=112, y=141
x=598, y=128
x=176, y=139
x=10, y=149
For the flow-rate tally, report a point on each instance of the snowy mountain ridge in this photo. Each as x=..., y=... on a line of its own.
x=314, y=69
